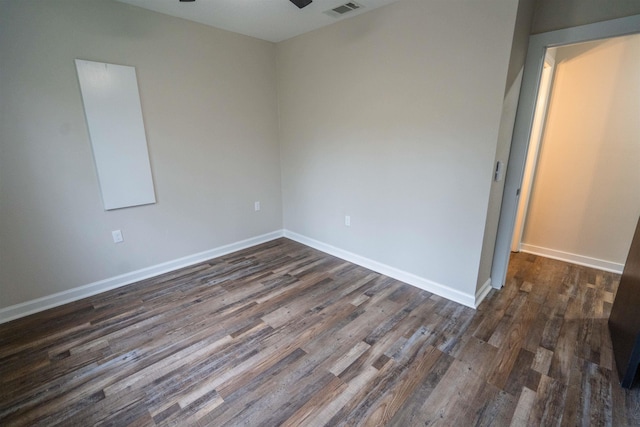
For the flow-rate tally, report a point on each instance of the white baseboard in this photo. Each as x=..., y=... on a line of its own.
x=36, y=305
x=60, y=298
x=483, y=292
x=444, y=291
x=586, y=261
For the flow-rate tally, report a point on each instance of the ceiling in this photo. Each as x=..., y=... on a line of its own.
x=271, y=20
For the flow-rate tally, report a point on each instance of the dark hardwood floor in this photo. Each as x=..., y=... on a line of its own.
x=281, y=334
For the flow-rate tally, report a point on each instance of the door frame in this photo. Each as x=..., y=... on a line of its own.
x=534, y=62
x=533, y=150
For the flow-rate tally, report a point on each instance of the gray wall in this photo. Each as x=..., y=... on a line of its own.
x=392, y=118
x=558, y=14
x=210, y=109
x=395, y=118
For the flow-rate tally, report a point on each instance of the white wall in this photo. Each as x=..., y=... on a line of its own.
x=392, y=118
x=210, y=109
x=557, y=14
x=585, y=199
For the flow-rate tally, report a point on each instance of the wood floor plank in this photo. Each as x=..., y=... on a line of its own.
x=510, y=348
x=549, y=404
x=281, y=334
x=523, y=408
x=412, y=412
x=406, y=378
x=491, y=407
x=450, y=402
x=316, y=408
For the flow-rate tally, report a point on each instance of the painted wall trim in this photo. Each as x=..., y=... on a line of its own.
x=36, y=305
x=586, y=261
x=419, y=282
x=483, y=292
x=50, y=301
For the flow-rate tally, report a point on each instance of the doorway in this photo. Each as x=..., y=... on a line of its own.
x=585, y=201
x=538, y=46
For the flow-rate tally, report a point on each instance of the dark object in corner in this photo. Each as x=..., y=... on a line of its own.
x=624, y=322
x=301, y=3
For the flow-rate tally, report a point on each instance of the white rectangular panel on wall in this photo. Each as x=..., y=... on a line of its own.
x=114, y=116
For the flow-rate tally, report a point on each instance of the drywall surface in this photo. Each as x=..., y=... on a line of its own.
x=210, y=110
x=585, y=198
x=520, y=43
x=392, y=118
x=558, y=14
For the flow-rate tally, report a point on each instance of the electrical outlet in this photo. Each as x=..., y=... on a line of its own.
x=117, y=236
x=256, y=206
x=347, y=220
